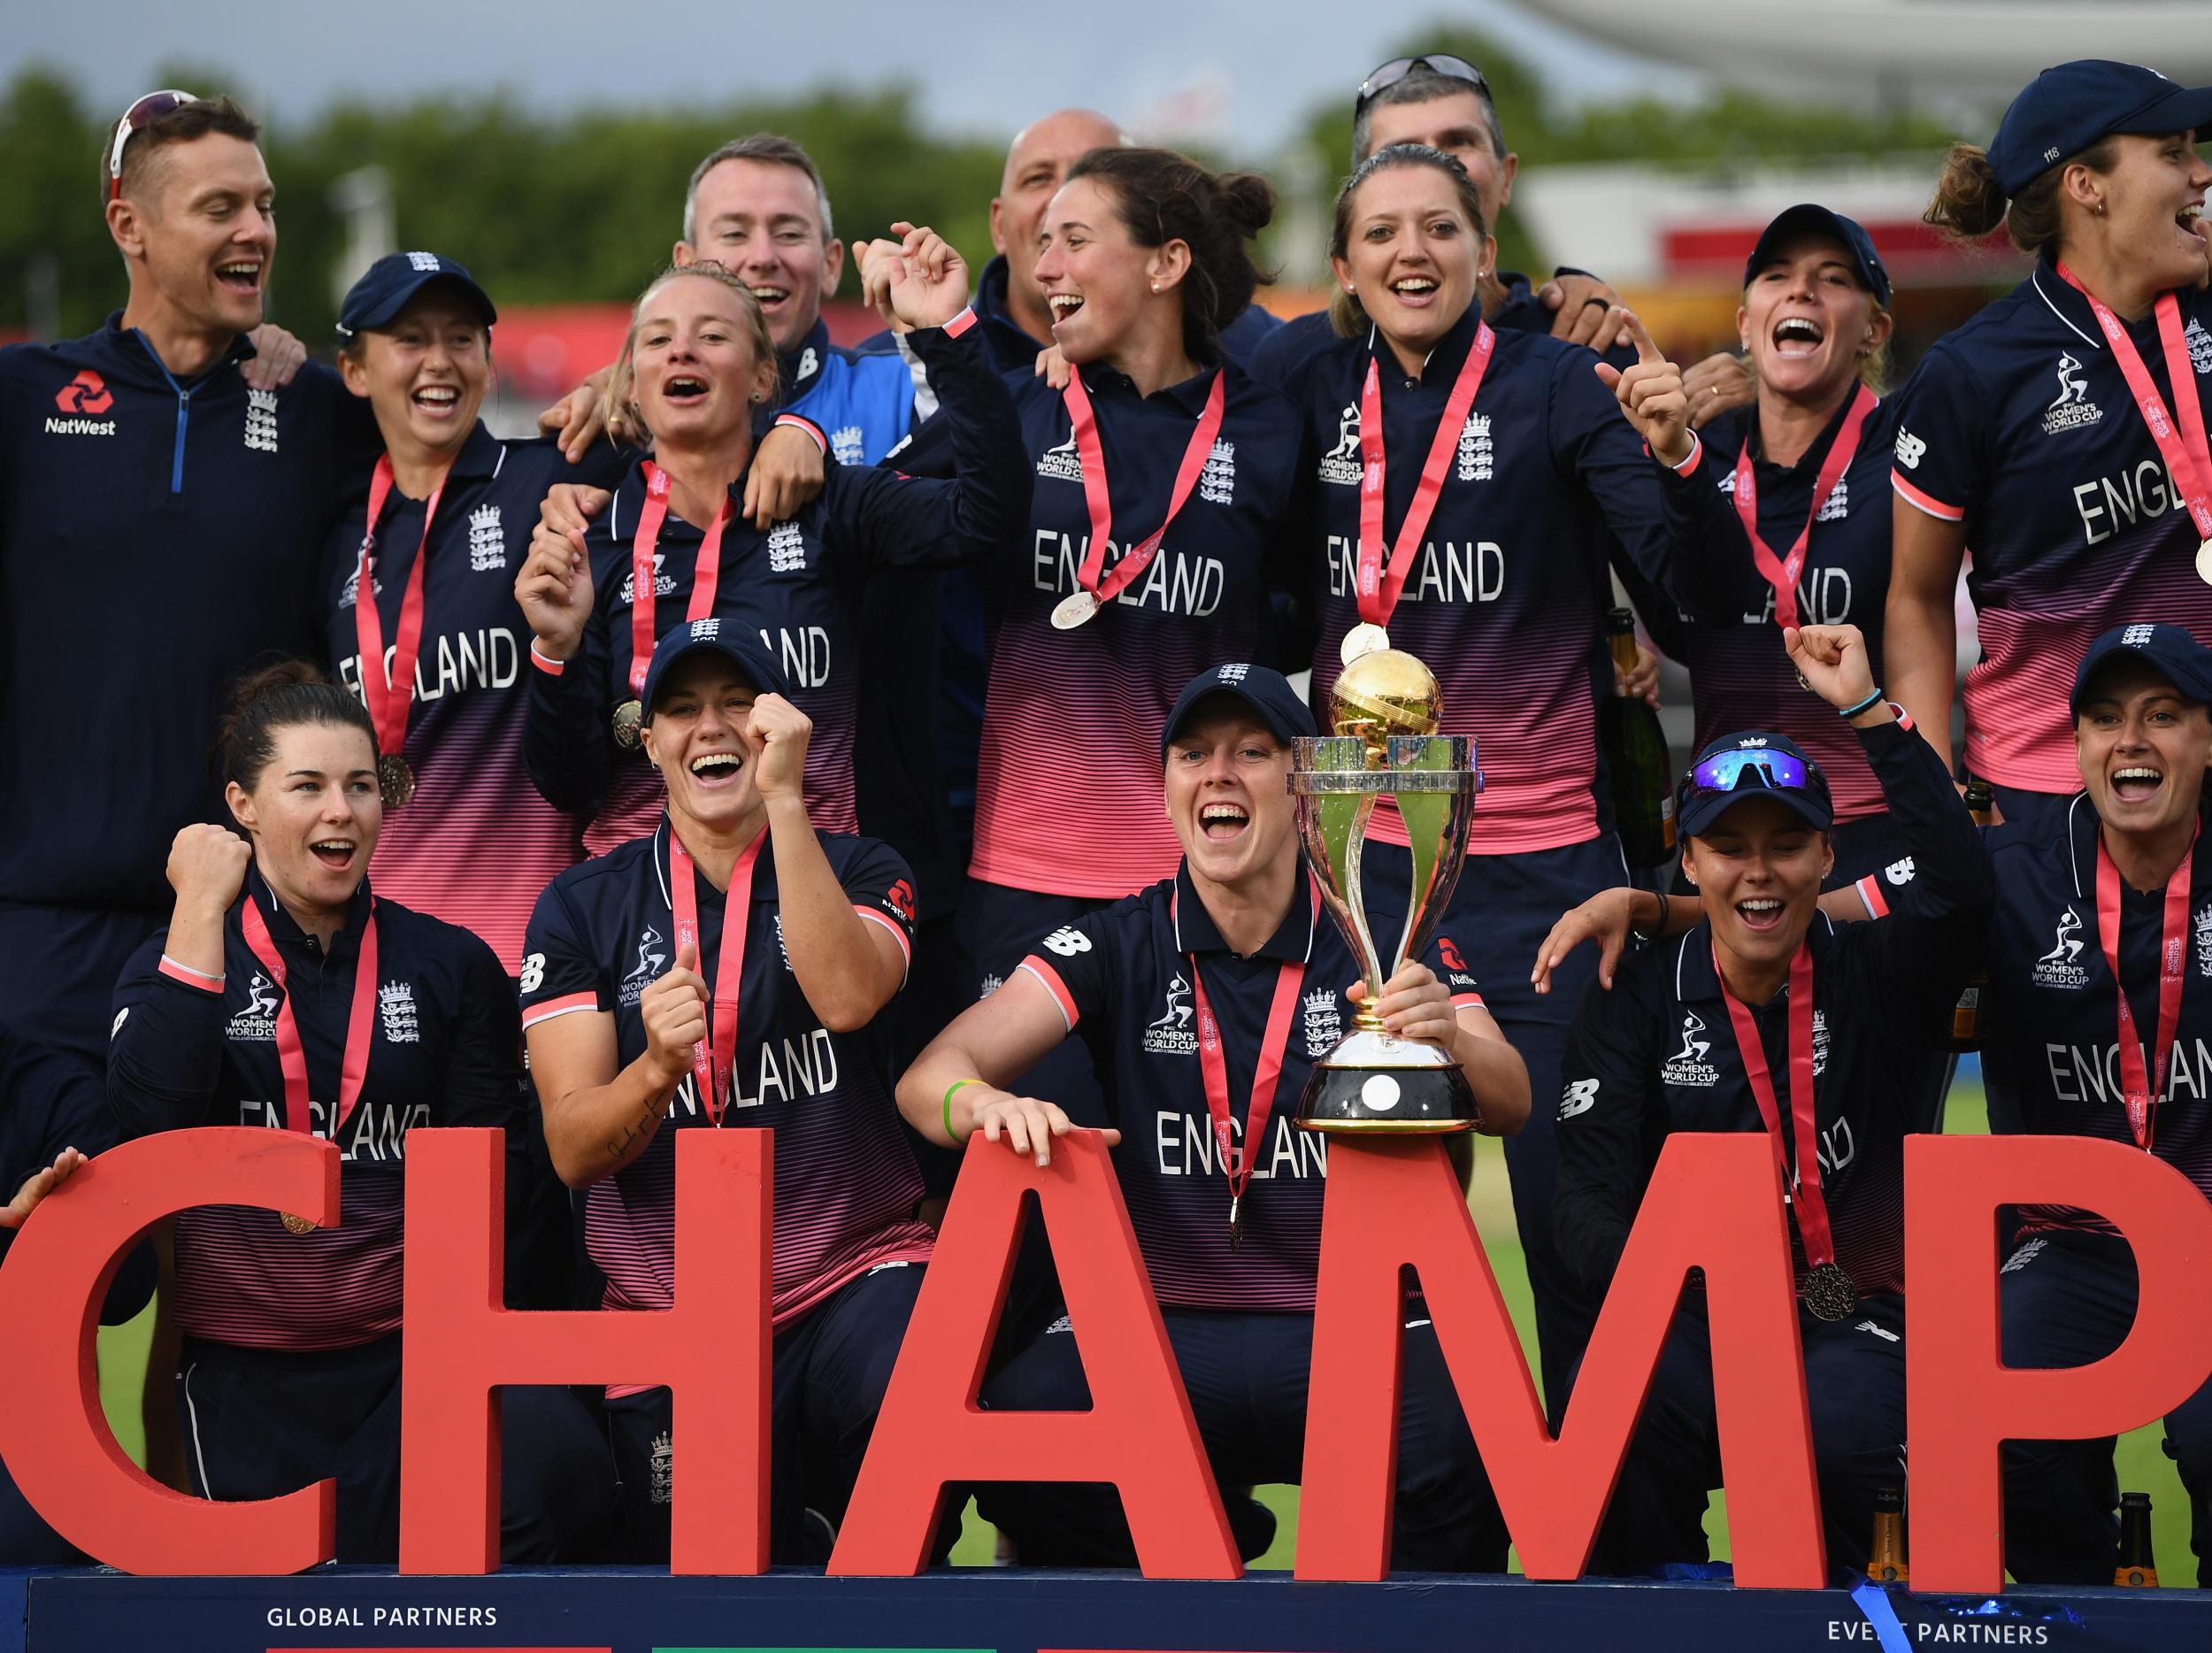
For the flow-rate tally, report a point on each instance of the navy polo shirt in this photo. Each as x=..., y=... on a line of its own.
x=174, y=523
x=845, y=1183
x=1070, y=753
x=49, y=1100
x=1657, y=1054
x=1740, y=675
x=476, y=844
x=2020, y=424
x=1122, y=978
x=798, y=588
x=444, y=1050
x=2049, y=1012
x=1510, y=586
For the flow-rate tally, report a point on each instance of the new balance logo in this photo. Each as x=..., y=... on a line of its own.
x=1899, y=871
x=1910, y=449
x=1580, y=1096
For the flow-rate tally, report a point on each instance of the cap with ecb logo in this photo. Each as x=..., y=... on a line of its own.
x=1266, y=691
x=2171, y=650
x=711, y=636
x=389, y=285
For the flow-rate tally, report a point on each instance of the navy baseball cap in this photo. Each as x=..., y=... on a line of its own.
x=1752, y=763
x=390, y=284
x=1267, y=692
x=2065, y=110
x=712, y=635
x=2171, y=650
x=1809, y=219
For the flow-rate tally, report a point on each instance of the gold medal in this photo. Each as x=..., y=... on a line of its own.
x=395, y=778
x=628, y=717
x=1365, y=638
x=1829, y=1293
x=297, y=1225
x=2204, y=561
x=1073, y=610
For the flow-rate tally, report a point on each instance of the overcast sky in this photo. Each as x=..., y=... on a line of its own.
x=1247, y=68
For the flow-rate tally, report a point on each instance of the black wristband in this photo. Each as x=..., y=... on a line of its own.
x=1868, y=705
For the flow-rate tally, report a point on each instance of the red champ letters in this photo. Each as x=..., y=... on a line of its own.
x=1714, y=1203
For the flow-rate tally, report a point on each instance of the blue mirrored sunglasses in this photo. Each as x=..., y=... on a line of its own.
x=1750, y=767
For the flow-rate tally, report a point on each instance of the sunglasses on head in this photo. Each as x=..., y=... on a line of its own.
x=144, y=113
x=1397, y=70
x=1753, y=767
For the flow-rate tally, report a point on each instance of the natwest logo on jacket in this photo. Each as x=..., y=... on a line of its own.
x=87, y=393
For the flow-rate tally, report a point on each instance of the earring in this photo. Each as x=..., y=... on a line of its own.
x=1155, y=287
x=759, y=396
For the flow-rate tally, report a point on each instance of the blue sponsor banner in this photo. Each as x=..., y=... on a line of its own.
x=641, y=1610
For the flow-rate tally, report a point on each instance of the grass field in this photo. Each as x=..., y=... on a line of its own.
x=2143, y=1464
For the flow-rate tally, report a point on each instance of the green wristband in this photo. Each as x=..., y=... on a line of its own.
x=955, y=1085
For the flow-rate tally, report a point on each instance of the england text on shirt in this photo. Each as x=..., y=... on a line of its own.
x=476, y=844
x=175, y=521
x=1505, y=598
x=1740, y=675
x=444, y=1050
x=845, y=1183
x=2049, y=1015
x=1657, y=1053
x=1068, y=797
x=1122, y=978
x=2020, y=424
x=798, y=587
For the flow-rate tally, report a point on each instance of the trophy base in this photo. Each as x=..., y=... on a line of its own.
x=1375, y=1084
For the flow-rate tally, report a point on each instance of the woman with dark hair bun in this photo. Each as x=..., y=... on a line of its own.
x=2061, y=433
x=284, y=993
x=1163, y=514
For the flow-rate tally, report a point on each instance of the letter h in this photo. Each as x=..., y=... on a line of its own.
x=712, y=1349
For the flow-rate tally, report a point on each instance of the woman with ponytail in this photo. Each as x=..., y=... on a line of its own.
x=2061, y=433
x=1161, y=516
x=285, y=994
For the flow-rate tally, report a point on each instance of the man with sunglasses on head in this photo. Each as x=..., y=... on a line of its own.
x=1766, y=1016
x=1444, y=103
x=141, y=461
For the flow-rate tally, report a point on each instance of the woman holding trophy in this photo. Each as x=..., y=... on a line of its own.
x=1206, y=1002
x=1470, y=485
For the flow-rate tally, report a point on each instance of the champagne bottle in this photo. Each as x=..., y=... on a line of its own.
x=1886, y=1555
x=1635, y=751
x=2137, y=1564
x=1981, y=803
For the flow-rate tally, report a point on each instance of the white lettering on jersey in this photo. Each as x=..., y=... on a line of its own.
x=453, y=662
x=2094, y=1075
x=803, y=652
x=1823, y=598
x=1173, y=1034
x=1342, y=464
x=2071, y=408
x=1473, y=572
x=2057, y=968
x=1174, y=582
x=1184, y=1146
x=1688, y=1066
x=2142, y=493
x=79, y=427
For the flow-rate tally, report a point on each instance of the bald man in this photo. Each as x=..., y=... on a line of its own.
x=1008, y=301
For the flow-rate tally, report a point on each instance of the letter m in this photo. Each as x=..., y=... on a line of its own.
x=1715, y=1202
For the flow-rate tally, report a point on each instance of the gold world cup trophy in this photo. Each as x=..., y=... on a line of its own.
x=1385, y=709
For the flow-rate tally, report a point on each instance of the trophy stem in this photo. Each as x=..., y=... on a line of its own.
x=1364, y=1018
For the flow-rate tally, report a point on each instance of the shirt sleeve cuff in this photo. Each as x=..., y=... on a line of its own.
x=799, y=421
x=190, y=977
x=1049, y=979
x=1926, y=502
x=551, y=668
x=960, y=323
x=1869, y=890
x=1688, y=467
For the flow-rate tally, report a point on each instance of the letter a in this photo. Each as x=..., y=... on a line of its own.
x=1715, y=1201
x=1138, y=1433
